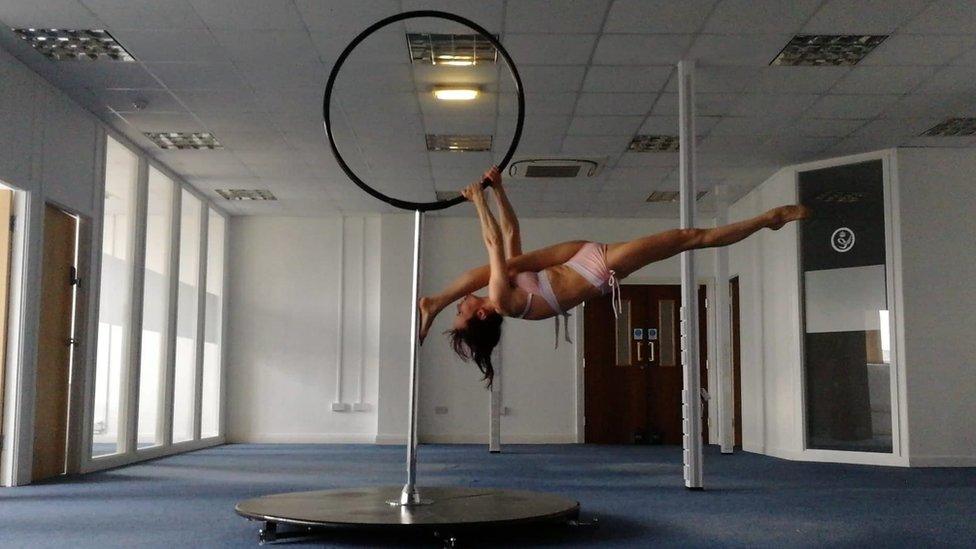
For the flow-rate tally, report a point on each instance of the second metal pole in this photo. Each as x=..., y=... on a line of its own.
x=409, y=495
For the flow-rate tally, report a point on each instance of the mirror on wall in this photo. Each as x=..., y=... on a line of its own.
x=847, y=335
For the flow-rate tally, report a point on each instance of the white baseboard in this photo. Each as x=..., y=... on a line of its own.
x=942, y=461
x=303, y=438
x=462, y=438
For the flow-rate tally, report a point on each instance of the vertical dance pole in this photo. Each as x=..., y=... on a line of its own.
x=495, y=415
x=691, y=395
x=409, y=495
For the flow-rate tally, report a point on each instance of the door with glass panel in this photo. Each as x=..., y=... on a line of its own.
x=633, y=374
x=847, y=335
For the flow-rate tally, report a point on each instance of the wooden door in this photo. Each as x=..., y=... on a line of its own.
x=736, y=363
x=637, y=399
x=615, y=407
x=54, y=344
x=6, y=205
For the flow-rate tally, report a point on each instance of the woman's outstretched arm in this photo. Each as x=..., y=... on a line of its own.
x=506, y=215
x=499, y=289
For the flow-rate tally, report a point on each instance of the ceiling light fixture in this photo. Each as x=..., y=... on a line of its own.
x=246, y=194
x=670, y=196
x=654, y=143
x=184, y=140
x=952, y=127
x=72, y=45
x=459, y=143
x=459, y=50
x=456, y=94
x=823, y=50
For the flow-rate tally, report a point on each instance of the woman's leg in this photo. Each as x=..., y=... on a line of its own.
x=627, y=257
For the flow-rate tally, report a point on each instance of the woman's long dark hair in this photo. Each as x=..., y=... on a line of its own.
x=476, y=342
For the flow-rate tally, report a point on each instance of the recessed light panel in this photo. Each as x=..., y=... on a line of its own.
x=246, y=194
x=670, y=196
x=71, y=45
x=654, y=143
x=460, y=143
x=952, y=127
x=184, y=140
x=821, y=50
x=461, y=50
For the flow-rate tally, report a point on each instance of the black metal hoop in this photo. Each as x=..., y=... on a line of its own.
x=327, y=100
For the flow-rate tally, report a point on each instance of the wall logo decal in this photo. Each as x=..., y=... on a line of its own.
x=842, y=240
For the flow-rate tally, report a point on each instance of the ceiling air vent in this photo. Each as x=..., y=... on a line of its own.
x=458, y=143
x=819, y=50
x=952, y=127
x=654, y=143
x=670, y=196
x=460, y=50
x=246, y=194
x=71, y=45
x=556, y=167
x=184, y=140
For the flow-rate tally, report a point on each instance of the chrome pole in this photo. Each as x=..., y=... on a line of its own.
x=409, y=495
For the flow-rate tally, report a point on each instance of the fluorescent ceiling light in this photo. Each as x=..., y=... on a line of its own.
x=456, y=94
x=819, y=50
x=654, y=143
x=458, y=143
x=184, y=140
x=246, y=194
x=71, y=44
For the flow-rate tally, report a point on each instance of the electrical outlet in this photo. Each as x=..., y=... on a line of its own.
x=440, y=410
x=360, y=407
x=340, y=407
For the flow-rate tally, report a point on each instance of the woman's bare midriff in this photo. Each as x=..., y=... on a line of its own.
x=570, y=287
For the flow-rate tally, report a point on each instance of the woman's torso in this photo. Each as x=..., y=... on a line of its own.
x=568, y=286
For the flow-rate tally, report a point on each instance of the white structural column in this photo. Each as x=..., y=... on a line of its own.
x=495, y=416
x=691, y=410
x=723, y=361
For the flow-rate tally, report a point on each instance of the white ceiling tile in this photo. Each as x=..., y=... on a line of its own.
x=460, y=124
x=348, y=17
x=268, y=142
x=606, y=78
x=951, y=80
x=538, y=103
x=249, y=14
x=641, y=49
x=605, y=125
x=387, y=46
x=917, y=105
x=737, y=49
x=706, y=104
x=657, y=16
x=266, y=47
x=826, y=127
x=779, y=79
x=562, y=16
x=292, y=101
x=283, y=76
x=539, y=78
x=882, y=79
x=591, y=104
x=146, y=14
x=593, y=145
x=967, y=59
x=198, y=76
x=163, y=122
x=232, y=122
x=748, y=126
x=60, y=14
x=897, y=130
x=549, y=49
x=850, y=106
x=759, y=16
x=150, y=100
x=385, y=102
x=772, y=105
x=862, y=16
x=486, y=14
x=535, y=127
x=719, y=79
x=104, y=75
x=944, y=17
x=913, y=49
x=184, y=46
x=240, y=100
x=660, y=125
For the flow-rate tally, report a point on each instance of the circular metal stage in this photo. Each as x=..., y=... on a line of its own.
x=448, y=509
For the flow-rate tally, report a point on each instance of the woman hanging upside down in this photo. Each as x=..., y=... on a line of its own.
x=547, y=282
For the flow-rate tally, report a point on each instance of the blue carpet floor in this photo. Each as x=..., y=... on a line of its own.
x=635, y=491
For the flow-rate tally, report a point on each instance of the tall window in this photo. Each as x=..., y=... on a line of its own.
x=155, y=308
x=121, y=180
x=184, y=390
x=210, y=404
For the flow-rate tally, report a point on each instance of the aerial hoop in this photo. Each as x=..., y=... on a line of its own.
x=327, y=101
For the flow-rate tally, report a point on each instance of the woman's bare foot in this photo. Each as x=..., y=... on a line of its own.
x=785, y=214
x=428, y=311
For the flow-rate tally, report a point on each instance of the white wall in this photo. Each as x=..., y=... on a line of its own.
x=283, y=328
x=50, y=148
x=767, y=267
x=938, y=259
